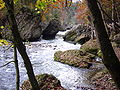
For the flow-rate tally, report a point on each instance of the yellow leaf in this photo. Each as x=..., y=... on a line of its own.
x=12, y=46
x=2, y=27
x=2, y=4
x=4, y=42
x=38, y=11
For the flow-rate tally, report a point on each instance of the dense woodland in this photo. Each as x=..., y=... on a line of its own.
x=98, y=32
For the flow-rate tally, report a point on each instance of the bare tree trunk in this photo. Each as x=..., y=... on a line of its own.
x=114, y=16
x=17, y=69
x=20, y=46
x=117, y=12
x=118, y=26
x=66, y=3
x=110, y=59
x=103, y=17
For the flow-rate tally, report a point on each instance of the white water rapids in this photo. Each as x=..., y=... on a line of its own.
x=41, y=54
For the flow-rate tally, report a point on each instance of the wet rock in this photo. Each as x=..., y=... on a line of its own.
x=28, y=25
x=82, y=39
x=45, y=81
x=92, y=47
x=75, y=58
x=52, y=29
x=78, y=34
x=70, y=36
x=83, y=58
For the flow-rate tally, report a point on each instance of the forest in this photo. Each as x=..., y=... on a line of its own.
x=59, y=44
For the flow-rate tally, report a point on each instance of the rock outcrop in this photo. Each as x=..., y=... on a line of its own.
x=45, y=81
x=92, y=46
x=75, y=58
x=78, y=34
x=83, y=58
x=52, y=29
x=28, y=25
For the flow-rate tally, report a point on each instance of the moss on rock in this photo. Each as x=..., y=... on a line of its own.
x=82, y=39
x=78, y=34
x=45, y=81
x=92, y=47
x=75, y=58
x=83, y=58
x=70, y=36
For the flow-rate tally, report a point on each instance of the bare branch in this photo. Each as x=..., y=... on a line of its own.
x=8, y=48
x=6, y=64
x=107, y=15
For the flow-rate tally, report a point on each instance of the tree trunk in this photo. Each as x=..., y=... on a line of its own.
x=116, y=24
x=66, y=3
x=110, y=59
x=18, y=43
x=117, y=12
x=17, y=69
x=114, y=16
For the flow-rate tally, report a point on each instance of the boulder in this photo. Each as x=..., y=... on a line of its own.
x=75, y=58
x=91, y=46
x=78, y=34
x=70, y=36
x=45, y=82
x=52, y=29
x=83, y=58
x=28, y=25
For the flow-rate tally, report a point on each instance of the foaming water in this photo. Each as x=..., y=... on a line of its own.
x=41, y=54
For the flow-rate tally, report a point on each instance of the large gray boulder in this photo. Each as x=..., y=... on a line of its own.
x=28, y=25
x=78, y=34
x=52, y=29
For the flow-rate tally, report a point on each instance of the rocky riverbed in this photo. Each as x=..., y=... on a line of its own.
x=41, y=54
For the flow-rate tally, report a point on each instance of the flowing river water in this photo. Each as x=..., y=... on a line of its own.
x=41, y=54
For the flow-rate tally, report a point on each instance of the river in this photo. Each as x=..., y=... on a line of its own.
x=41, y=54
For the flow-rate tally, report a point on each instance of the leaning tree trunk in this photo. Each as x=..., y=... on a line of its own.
x=110, y=59
x=20, y=46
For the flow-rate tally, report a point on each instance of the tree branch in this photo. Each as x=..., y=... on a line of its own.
x=107, y=15
x=6, y=64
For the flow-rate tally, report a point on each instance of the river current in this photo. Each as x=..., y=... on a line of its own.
x=41, y=54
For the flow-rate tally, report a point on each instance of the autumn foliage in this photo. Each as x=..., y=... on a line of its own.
x=82, y=12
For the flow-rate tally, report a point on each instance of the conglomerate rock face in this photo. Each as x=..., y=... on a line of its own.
x=28, y=25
